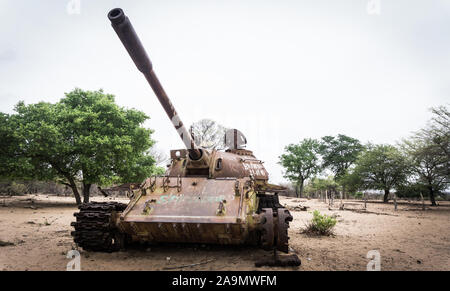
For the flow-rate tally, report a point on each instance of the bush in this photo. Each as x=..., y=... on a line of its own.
x=17, y=189
x=321, y=224
x=412, y=190
x=359, y=195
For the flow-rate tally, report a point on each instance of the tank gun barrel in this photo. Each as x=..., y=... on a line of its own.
x=126, y=33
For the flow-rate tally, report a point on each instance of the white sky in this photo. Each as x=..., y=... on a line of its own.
x=279, y=71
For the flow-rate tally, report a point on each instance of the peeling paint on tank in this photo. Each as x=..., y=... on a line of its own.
x=172, y=198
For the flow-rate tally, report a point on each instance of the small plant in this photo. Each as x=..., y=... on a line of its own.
x=359, y=195
x=320, y=224
x=16, y=189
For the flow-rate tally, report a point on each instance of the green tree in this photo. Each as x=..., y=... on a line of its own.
x=317, y=184
x=428, y=151
x=339, y=154
x=85, y=137
x=382, y=167
x=431, y=169
x=351, y=181
x=300, y=162
x=8, y=148
x=437, y=133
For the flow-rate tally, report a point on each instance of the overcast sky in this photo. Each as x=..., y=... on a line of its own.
x=279, y=71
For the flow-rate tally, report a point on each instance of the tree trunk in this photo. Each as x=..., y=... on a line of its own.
x=301, y=189
x=433, y=201
x=386, y=196
x=343, y=192
x=395, y=201
x=86, y=192
x=73, y=185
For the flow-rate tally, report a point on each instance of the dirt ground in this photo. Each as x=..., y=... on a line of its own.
x=38, y=226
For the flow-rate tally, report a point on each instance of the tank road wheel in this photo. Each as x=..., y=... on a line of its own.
x=266, y=227
x=274, y=229
x=95, y=229
x=284, y=217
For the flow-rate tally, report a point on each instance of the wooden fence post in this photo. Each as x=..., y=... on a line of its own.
x=395, y=202
x=423, y=201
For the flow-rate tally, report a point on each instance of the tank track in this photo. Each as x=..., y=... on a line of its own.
x=282, y=238
x=95, y=229
x=274, y=223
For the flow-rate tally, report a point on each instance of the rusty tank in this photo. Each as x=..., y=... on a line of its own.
x=206, y=196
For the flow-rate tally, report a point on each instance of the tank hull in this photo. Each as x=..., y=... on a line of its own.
x=192, y=209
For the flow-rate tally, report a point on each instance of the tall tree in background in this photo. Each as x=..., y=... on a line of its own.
x=208, y=134
x=11, y=160
x=351, y=181
x=301, y=162
x=339, y=154
x=382, y=167
x=85, y=138
x=429, y=153
x=430, y=168
x=437, y=132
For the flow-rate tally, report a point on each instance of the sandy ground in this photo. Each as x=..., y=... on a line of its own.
x=407, y=239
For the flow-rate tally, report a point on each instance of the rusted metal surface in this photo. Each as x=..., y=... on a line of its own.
x=267, y=229
x=191, y=209
x=232, y=165
x=284, y=217
x=187, y=199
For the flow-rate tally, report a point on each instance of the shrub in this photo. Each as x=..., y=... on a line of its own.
x=321, y=224
x=359, y=195
x=412, y=190
x=17, y=189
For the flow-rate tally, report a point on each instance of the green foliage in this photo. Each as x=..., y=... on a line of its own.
x=318, y=184
x=301, y=161
x=352, y=181
x=411, y=190
x=321, y=224
x=437, y=133
x=359, y=195
x=382, y=167
x=12, y=161
x=339, y=153
x=158, y=171
x=83, y=137
x=428, y=152
x=17, y=189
